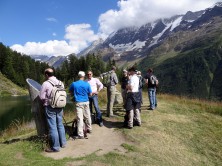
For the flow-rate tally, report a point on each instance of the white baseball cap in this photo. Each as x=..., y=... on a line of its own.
x=81, y=74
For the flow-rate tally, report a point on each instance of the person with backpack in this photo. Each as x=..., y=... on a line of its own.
x=133, y=102
x=81, y=90
x=152, y=82
x=96, y=86
x=53, y=110
x=111, y=91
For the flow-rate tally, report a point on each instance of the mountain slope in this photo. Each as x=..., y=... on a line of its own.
x=7, y=88
x=189, y=62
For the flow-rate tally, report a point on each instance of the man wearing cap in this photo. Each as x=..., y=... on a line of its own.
x=81, y=90
x=133, y=100
x=53, y=115
x=96, y=86
x=111, y=91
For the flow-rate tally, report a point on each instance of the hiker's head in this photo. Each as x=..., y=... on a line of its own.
x=113, y=68
x=89, y=74
x=81, y=74
x=132, y=70
x=49, y=72
x=150, y=70
x=139, y=73
x=125, y=72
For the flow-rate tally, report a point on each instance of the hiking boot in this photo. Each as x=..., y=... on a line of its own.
x=79, y=137
x=129, y=127
x=89, y=131
x=49, y=150
x=101, y=124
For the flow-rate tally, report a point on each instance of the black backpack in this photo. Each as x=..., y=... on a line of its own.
x=153, y=80
x=141, y=82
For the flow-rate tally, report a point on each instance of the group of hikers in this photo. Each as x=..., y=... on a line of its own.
x=84, y=93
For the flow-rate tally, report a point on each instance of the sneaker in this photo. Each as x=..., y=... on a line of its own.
x=89, y=131
x=129, y=127
x=101, y=124
x=79, y=137
x=49, y=150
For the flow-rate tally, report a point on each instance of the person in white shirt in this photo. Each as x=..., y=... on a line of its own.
x=96, y=86
x=133, y=101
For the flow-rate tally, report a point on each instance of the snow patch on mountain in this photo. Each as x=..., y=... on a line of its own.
x=120, y=48
x=176, y=23
x=156, y=38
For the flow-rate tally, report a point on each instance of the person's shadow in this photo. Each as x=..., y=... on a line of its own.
x=113, y=124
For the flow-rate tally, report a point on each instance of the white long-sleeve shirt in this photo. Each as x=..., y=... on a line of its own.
x=95, y=84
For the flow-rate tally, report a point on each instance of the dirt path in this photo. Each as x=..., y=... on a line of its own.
x=102, y=140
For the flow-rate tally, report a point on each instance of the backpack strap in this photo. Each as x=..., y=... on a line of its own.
x=53, y=84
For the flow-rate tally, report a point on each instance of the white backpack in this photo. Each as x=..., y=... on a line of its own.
x=57, y=96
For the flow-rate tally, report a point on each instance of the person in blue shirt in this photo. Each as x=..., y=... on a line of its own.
x=81, y=90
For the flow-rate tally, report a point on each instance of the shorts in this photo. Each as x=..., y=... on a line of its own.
x=133, y=101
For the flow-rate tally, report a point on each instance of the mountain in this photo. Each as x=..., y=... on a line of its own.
x=184, y=50
x=92, y=48
x=189, y=61
x=132, y=44
x=54, y=61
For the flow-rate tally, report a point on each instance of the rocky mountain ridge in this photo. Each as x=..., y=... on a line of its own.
x=134, y=43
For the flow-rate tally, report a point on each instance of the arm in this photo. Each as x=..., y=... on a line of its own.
x=129, y=86
x=71, y=90
x=89, y=90
x=115, y=79
x=43, y=92
x=99, y=85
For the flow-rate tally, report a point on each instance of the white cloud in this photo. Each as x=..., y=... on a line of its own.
x=51, y=19
x=77, y=37
x=80, y=35
x=139, y=12
x=51, y=47
x=54, y=34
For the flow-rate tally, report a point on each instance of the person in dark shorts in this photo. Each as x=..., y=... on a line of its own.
x=133, y=101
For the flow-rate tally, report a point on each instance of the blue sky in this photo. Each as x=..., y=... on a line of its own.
x=39, y=20
x=61, y=27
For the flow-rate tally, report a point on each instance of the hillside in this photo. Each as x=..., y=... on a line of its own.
x=8, y=88
x=180, y=132
x=189, y=62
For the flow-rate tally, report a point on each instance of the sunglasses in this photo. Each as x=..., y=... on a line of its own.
x=89, y=74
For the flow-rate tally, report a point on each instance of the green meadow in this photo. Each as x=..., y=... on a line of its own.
x=180, y=131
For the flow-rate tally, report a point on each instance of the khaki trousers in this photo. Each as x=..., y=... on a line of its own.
x=134, y=115
x=83, y=113
x=111, y=91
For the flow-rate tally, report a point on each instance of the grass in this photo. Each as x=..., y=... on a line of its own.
x=8, y=88
x=181, y=131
